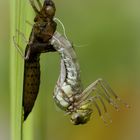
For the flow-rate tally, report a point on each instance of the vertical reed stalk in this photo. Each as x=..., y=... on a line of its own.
x=19, y=12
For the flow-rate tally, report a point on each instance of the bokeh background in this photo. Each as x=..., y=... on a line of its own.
x=107, y=38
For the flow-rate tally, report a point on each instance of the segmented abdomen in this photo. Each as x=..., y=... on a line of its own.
x=31, y=84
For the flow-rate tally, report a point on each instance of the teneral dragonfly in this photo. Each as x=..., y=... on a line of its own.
x=69, y=94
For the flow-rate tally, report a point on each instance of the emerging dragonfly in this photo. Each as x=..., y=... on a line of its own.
x=42, y=31
x=69, y=94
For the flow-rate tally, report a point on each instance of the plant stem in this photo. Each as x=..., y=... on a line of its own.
x=18, y=14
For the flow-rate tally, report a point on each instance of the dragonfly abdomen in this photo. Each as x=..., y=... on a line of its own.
x=31, y=84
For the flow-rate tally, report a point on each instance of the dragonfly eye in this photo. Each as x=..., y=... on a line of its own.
x=50, y=11
x=49, y=8
x=48, y=2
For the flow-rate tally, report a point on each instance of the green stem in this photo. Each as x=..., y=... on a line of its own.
x=20, y=12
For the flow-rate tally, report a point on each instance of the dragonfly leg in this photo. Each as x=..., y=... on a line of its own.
x=106, y=87
x=22, y=35
x=39, y=4
x=33, y=6
x=18, y=48
x=104, y=92
x=29, y=23
x=102, y=102
x=105, y=116
x=97, y=88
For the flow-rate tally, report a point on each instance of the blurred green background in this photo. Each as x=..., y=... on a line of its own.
x=109, y=32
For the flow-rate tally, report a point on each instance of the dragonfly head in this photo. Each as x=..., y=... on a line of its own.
x=81, y=116
x=49, y=8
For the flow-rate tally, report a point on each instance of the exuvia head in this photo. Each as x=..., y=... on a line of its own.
x=49, y=8
x=81, y=116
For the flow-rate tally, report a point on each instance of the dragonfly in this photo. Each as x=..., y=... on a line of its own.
x=39, y=42
x=69, y=94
